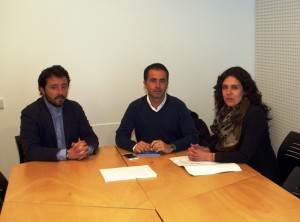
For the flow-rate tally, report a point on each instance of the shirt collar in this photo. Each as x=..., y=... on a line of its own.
x=160, y=105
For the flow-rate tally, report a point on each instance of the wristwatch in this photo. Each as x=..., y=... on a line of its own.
x=67, y=155
x=173, y=147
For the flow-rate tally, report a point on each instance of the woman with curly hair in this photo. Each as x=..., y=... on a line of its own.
x=240, y=131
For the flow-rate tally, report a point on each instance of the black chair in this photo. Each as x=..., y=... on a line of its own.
x=288, y=155
x=20, y=149
x=292, y=183
x=203, y=131
x=3, y=187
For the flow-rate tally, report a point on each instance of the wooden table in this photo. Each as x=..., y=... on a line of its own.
x=29, y=212
x=75, y=183
x=254, y=199
x=75, y=190
x=174, y=179
x=231, y=196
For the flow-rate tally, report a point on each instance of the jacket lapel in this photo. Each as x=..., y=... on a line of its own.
x=47, y=118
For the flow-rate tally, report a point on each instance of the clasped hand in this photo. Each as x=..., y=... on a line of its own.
x=198, y=153
x=79, y=150
x=155, y=145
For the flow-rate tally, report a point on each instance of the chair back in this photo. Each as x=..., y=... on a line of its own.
x=3, y=187
x=292, y=183
x=203, y=131
x=288, y=155
x=20, y=149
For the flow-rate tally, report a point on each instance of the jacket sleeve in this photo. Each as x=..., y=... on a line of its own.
x=85, y=130
x=33, y=132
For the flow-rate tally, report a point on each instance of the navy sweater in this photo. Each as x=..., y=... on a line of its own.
x=172, y=124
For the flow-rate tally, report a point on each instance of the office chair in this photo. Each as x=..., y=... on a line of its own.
x=202, y=129
x=3, y=187
x=20, y=148
x=292, y=182
x=288, y=155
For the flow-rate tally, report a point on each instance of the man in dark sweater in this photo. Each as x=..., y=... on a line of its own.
x=161, y=123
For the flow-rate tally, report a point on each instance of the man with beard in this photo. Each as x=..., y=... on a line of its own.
x=162, y=123
x=54, y=128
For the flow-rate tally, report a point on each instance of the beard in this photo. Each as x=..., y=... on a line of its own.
x=57, y=101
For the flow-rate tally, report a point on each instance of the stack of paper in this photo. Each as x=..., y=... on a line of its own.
x=204, y=167
x=127, y=173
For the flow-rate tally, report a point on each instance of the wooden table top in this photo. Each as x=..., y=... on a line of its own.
x=174, y=179
x=230, y=196
x=75, y=183
x=53, y=189
x=254, y=199
x=29, y=212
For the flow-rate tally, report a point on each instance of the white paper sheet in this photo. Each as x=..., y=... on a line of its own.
x=203, y=167
x=127, y=173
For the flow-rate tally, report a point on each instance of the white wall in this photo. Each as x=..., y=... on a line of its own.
x=106, y=44
x=277, y=67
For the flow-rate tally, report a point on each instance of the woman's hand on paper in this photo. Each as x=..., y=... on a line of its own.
x=199, y=153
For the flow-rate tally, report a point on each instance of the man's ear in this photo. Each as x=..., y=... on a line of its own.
x=42, y=91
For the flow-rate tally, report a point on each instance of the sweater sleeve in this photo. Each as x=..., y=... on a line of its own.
x=123, y=133
x=188, y=131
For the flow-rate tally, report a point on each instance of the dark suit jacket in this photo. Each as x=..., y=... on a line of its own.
x=38, y=133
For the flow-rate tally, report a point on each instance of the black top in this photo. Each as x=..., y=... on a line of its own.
x=254, y=147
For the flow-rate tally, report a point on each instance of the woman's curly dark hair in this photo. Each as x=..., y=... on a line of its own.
x=251, y=91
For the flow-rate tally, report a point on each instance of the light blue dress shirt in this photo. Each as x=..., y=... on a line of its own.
x=57, y=117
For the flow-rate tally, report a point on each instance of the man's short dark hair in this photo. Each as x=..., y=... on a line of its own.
x=156, y=66
x=56, y=70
